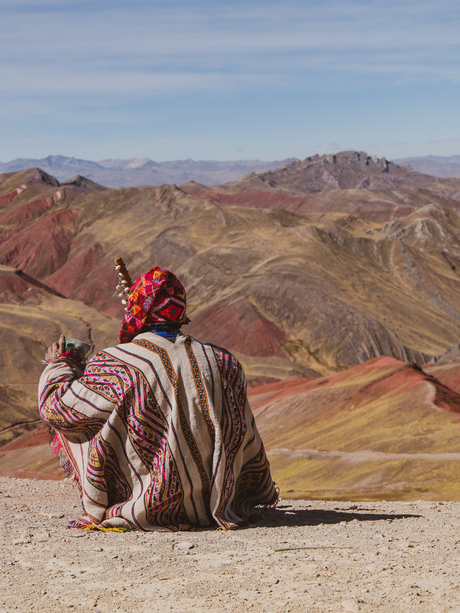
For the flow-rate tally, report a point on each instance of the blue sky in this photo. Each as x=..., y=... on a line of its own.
x=228, y=80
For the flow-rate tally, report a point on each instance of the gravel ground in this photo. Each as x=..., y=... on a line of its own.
x=302, y=556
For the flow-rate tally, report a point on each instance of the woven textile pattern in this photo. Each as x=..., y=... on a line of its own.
x=157, y=297
x=159, y=435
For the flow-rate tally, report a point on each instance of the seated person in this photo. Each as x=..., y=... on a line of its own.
x=157, y=431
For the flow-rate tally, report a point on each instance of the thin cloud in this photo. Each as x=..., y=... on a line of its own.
x=171, y=34
x=354, y=37
x=114, y=62
x=444, y=140
x=383, y=145
x=124, y=83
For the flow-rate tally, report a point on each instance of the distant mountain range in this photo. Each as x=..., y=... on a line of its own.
x=142, y=171
x=437, y=166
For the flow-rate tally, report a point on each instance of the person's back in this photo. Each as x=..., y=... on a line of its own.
x=158, y=433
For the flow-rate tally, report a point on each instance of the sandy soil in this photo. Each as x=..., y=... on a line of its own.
x=303, y=556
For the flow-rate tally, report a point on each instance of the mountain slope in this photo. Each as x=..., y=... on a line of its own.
x=383, y=429
x=289, y=293
x=294, y=295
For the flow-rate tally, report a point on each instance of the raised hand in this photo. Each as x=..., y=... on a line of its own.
x=55, y=350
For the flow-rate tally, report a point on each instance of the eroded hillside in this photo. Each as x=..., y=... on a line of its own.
x=381, y=430
x=366, y=267
x=289, y=293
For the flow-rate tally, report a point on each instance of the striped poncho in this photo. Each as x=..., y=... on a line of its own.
x=158, y=434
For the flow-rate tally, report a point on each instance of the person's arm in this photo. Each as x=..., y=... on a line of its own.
x=74, y=400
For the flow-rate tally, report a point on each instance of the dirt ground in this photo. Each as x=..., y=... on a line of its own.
x=302, y=556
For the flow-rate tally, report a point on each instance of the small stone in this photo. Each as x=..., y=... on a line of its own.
x=185, y=545
x=21, y=541
x=350, y=605
x=270, y=580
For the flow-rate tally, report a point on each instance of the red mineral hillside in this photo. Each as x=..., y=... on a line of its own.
x=29, y=456
x=383, y=429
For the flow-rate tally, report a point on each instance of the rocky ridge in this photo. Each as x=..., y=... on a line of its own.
x=350, y=181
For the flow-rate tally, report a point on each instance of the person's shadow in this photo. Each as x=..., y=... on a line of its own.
x=286, y=515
